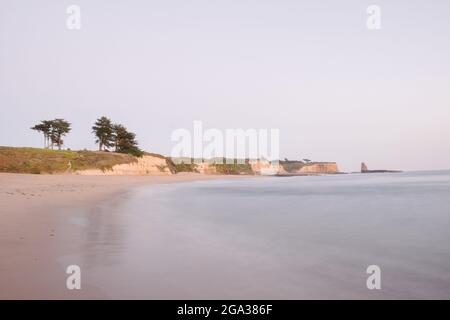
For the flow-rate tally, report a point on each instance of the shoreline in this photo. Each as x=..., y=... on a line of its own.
x=37, y=228
x=19, y=192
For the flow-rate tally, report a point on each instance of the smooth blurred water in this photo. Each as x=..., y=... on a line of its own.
x=272, y=237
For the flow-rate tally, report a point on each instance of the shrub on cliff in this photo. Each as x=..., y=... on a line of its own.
x=234, y=168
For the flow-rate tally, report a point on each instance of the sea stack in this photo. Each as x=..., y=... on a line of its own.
x=364, y=167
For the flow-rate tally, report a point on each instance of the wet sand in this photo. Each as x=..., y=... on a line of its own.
x=35, y=227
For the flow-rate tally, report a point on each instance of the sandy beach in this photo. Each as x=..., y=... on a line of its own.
x=35, y=227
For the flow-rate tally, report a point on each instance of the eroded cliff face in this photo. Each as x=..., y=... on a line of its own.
x=220, y=168
x=206, y=168
x=145, y=165
x=265, y=167
x=297, y=167
x=321, y=167
x=157, y=165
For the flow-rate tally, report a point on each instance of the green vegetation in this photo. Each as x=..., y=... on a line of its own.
x=182, y=164
x=108, y=135
x=115, y=135
x=220, y=165
x=292, y=165
x=125, y=141
x=234, y=168
x=296, y=165
x=54, y=131
x=185, y=167
x=34, y=160
x=103, y=130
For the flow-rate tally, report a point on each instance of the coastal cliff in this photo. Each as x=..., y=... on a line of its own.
x=301, y=168
x=320, y=167
x=262, y=167
x=46, y=161
x=145, y=165
x=215, y=166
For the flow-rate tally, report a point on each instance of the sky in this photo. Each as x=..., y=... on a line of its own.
x=336, y=90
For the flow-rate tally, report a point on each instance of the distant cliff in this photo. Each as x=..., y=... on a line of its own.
x=214, y=166
x=258, y=167
x=301, y=168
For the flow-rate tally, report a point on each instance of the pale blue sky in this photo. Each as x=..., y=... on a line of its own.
x=336, y=90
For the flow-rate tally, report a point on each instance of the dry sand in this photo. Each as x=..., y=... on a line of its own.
x=35, y=228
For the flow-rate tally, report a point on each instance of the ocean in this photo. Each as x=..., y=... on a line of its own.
x=310, y=237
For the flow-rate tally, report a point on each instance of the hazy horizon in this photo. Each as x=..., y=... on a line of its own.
x=335, y=90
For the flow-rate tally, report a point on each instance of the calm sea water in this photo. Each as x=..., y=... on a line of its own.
x=268, y=237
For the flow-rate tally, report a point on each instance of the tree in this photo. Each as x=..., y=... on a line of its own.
x=44, y=127
x=125, y=141
x=53, y=131
x=59, y=128
x=104, y=131
x=40, y=128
